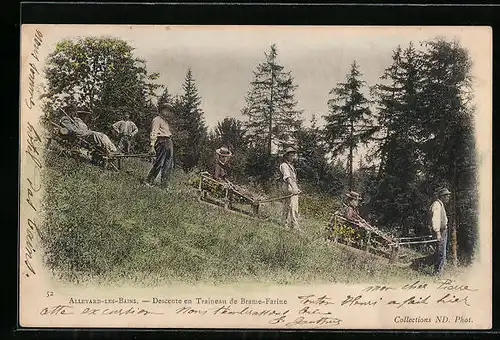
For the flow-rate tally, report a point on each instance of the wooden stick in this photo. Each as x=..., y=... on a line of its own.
x=416, y=242
x=277, y=198
x=413, y=238
x=68, y=116
x=139, y=155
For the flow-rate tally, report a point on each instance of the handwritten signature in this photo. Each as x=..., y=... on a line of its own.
x=32, y=150
x=33, y=187
x=33, y=70
x=322, y=321
x=71, y=310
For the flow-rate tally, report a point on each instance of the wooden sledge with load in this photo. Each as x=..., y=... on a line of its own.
x=361, y=235
x=230, y=196
x=76, y=145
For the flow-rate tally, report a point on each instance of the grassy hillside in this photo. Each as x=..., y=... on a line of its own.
x=103, y=226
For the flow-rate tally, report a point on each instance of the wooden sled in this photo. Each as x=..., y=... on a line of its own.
x=74, y=145
x=361, y=235
x=229, y=196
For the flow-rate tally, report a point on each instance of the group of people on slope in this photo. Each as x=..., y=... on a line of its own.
x=291, y=192
x=438, y=222
x=163, y=149
x=125, y=130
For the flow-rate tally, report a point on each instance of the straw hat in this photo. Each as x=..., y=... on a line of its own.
x=289, y=150
x=224, y=152
x=166, y=107
x=354, y=195
x=442, y=192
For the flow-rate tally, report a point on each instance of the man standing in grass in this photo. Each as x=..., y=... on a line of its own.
x=126, y=130
x=439, y=224
x=162, y=147
x=290, y=188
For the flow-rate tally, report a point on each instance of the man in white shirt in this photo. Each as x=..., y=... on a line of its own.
x=439, y=224
x=289, y=187
x=162, y=147
x=126, y=130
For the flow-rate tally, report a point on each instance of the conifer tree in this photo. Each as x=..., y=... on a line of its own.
x=189, y=124
x=348, y=123
x=270, y=105
x=449, y=148
x=399, y=205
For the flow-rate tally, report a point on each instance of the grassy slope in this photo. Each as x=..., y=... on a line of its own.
x=103, y=226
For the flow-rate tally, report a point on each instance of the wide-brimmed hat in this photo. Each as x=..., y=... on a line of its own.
x=354, y=195
x=289, y=150
x=167, y=107
x=442, y=192
x=224, y=152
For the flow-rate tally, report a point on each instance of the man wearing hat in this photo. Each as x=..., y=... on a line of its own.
x=351, y=211
x=161, y=146
x=439, y=224
x=223, y=155
x=289, y=187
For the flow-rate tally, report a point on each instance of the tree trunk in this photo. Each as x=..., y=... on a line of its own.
x=271, y=112
x=351, y=147
x=454, y=224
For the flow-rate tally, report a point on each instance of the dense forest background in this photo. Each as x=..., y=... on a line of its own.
x=415, y=126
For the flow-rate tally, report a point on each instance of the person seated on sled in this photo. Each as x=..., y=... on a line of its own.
x=77, y=127
x=222, y=157
x=126, y=130
x=351, y=211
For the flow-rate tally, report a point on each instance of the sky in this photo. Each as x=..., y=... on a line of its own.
x=223, y=58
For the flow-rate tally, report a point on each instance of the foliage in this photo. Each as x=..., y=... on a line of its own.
x=348, y=123
x=101, y=78
x=189, y=125
x=230, y=132
x=270, y=104
x=426, y=140
x=262, y=167
x=312, y=165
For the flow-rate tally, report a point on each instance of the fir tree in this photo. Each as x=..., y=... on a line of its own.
x=312, y=165
x=270, y=105
x=399, y=205
x=230, y=133
x=349, y=122
x=189, y=124
x=449, y=148
x=165, y=99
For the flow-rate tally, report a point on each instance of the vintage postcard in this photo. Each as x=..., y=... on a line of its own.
x=255, y=177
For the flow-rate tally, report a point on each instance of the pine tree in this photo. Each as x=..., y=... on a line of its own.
x=449, y=149
x=270, y=105
x=399, y=204
x=165, y=99
x=349, y=122
x=189, y=124
x=312, y=165
x=230, y=133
